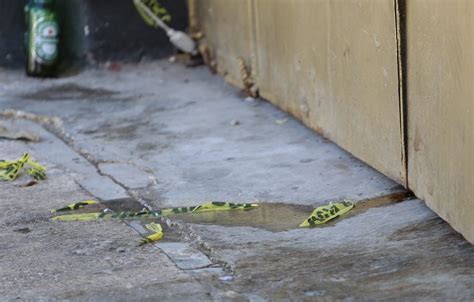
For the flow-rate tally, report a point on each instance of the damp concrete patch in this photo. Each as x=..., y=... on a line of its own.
x=69, y=91
x=123, y=204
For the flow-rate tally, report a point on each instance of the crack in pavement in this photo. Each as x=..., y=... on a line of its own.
x=55, y=127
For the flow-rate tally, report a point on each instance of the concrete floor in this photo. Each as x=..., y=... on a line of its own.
x=163, y=135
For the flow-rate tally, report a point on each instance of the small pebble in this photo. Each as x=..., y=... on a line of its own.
x=226, y=278
x=281, y=122
x=22, y=230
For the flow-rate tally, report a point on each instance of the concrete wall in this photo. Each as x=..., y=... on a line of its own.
x=229, y=34
x=332, y=64
x=441, y=108
x=92, y=31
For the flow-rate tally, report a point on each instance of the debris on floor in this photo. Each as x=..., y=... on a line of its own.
x=157, y=233
x=6, y=133
x=22, y=230
x=113, y=66
x=326, y=213
x=147, y=214
x=28, y=184
x=75, y=206
x=226, y=278
x=223, y=206
x=250, y=99
x=281, y=122
x=156, y=228
x=106, y=215
x=9, y=170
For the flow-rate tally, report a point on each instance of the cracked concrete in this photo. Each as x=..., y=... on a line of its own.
x=168, y=136
x=44, y=261
x=55, y=151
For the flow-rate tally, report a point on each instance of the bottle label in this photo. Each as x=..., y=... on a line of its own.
x=44, y=38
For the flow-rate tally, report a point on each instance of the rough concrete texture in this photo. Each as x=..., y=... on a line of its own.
x=398, y=252
x=126, y=174
x=43, y=261
x=184, y=255
x=164, y=135
x=178, y=124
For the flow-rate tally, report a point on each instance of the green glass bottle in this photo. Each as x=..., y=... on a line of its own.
x=42, y=38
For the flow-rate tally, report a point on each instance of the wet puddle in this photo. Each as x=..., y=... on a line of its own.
x=69, y=91
x=277, y=217
x=272, y=217
x=116, y=205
